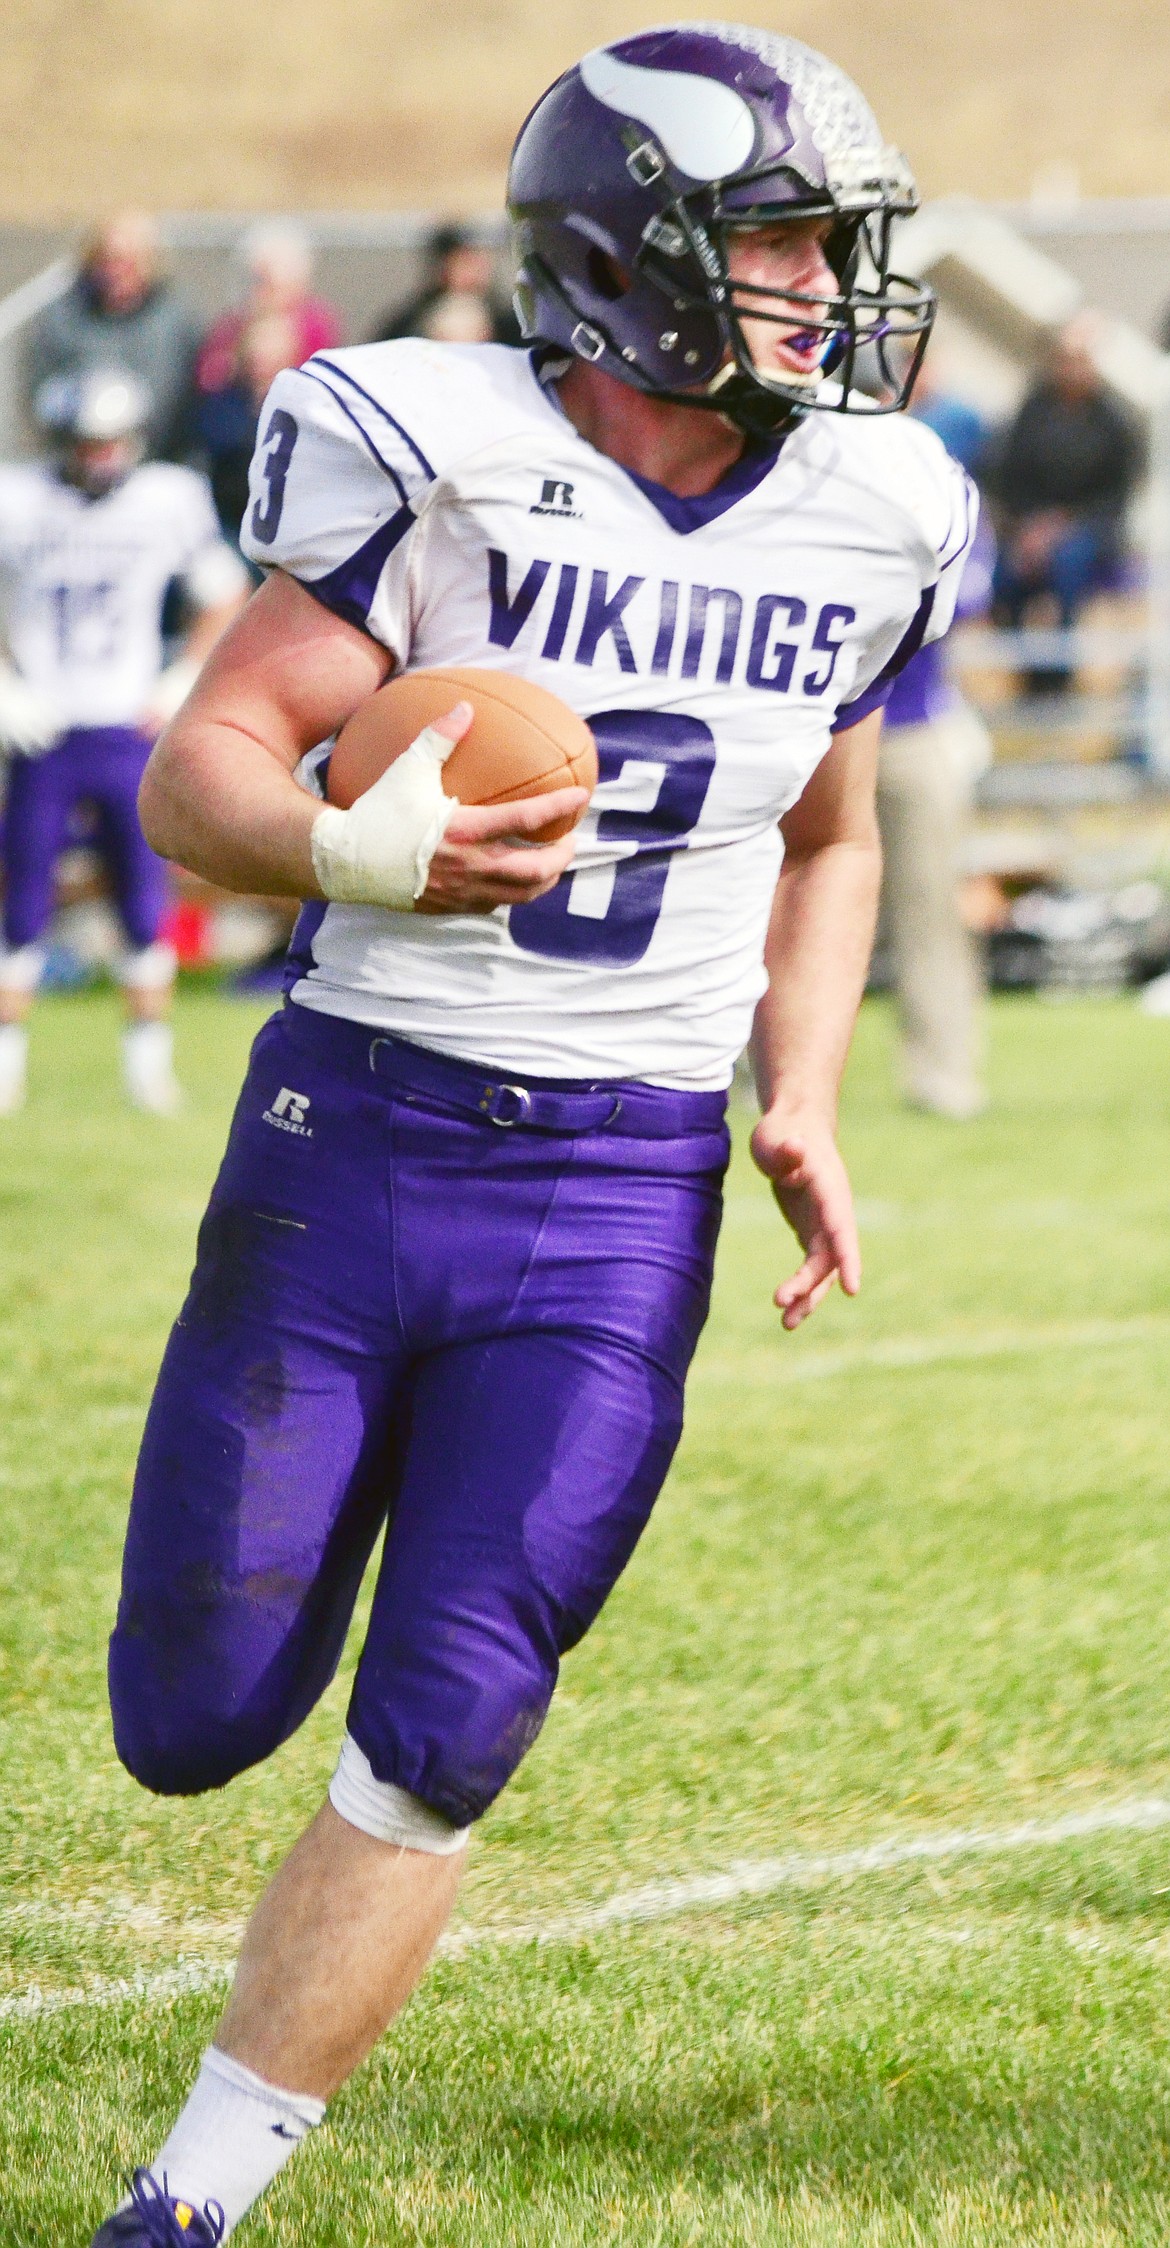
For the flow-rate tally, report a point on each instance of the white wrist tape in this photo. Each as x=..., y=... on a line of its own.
x=380, y=851
x=28, y=721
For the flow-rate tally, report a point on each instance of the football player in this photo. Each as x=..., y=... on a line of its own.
x=458, y=1255
x=89, y=542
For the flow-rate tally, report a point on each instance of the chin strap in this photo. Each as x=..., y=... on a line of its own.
x=743, y=403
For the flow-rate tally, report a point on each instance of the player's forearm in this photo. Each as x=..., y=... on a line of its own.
x=817, y=958
x=219, y=803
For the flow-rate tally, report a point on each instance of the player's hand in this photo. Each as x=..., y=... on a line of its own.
x=28, y=722
x=799, y=1154
x=487, y=857
x=406, y=844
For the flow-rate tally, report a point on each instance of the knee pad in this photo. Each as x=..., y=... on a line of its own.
x=21, y=968
x=151, y=967
x=386, y=1812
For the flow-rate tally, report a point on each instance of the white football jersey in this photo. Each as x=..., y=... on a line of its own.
x=437, y=496
x=82, y=582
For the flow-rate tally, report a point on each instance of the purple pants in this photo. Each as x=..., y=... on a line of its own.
x=101, y=765
x=427, y=1300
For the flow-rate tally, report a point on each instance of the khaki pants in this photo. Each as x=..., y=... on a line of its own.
x=925, y=779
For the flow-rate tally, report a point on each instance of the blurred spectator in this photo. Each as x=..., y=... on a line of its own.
x=121, y=311
x=226, y=418
x=1061, y=475
x=276, y=260
x=455, y=302
x=933, y=749
x=962, y=430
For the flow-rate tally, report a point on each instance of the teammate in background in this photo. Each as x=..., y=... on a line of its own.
x=90, y=539
x=459, y=1252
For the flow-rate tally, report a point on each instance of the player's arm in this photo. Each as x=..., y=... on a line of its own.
x=219, y=796
x=817, y=955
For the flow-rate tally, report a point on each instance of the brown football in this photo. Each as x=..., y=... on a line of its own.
x=523, y=741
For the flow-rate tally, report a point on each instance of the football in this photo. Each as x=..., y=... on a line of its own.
x=523, y=741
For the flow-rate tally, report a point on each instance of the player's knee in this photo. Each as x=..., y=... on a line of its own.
x=21, y=966
x=148, y=965
x=167, y=1734
x=456, y=1747
x=172, y=1757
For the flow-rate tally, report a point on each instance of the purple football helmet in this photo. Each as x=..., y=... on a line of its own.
x=633, y=172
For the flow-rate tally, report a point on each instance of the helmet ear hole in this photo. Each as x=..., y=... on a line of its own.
x=606, y=277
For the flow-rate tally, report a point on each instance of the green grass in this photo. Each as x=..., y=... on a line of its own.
x=905, y=1576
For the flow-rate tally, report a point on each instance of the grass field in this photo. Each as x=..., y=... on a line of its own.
x=911, y=1577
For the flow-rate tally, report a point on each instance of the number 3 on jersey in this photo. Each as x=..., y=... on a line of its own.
x=279, y=440
x=661, y=763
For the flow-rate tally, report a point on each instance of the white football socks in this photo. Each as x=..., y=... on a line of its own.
x=148, y=1066
x=235, y=2133
x=13, y=1067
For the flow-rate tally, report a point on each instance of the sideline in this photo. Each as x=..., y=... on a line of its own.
x=658, y=1900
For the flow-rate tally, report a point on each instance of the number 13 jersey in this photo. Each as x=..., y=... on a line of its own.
x=437, y=497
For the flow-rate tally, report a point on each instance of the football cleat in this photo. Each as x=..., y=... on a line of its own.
x=158, y=2219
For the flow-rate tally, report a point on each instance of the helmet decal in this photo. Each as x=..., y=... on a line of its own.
x=706, y=129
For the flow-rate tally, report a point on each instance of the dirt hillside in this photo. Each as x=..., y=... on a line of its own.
x=361, y=104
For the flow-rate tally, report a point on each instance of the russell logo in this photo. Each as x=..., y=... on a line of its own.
x=288, y=1112
x=556, y=498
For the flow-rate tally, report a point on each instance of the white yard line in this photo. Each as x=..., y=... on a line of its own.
x=116, y=1990
x=908, y=1351
x=126, y=1913
x=659, y=1900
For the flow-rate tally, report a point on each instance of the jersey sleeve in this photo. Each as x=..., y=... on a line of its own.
x=334, y=489
x=943, y=507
